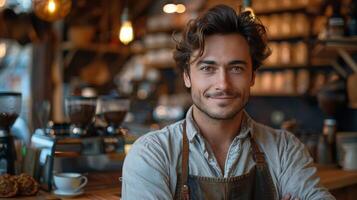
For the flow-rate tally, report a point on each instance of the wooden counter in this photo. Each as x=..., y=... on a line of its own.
x=342, y=184
x=112, y=193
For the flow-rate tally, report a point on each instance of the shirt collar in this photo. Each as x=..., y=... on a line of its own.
x=192, y=129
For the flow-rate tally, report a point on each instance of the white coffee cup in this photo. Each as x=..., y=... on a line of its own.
x=69, y=182
x=350, y=154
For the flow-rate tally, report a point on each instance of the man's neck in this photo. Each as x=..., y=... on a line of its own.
x=217, y=132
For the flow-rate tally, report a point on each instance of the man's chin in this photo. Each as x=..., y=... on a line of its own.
x=219, y=112
x=221, y=115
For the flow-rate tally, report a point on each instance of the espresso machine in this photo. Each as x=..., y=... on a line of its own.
x=81, y=147
x=9, y=110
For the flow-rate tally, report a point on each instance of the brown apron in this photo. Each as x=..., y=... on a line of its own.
x=256, y=184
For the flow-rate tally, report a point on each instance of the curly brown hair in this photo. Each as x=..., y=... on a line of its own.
x=222, y=19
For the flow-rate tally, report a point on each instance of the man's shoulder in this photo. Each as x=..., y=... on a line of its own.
x=267, y=133
x=163, y=137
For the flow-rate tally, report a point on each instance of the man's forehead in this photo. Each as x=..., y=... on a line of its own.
x=213, y=58
x=223, y=49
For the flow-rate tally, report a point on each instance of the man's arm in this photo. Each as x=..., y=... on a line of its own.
x=298, y=176
x=144, y=172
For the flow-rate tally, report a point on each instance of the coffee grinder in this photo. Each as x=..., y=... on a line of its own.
x=9, y=110
x=113, y=110
x=80, y=111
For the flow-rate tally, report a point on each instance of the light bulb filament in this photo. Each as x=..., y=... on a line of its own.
x=126, y=33
x=51, y=6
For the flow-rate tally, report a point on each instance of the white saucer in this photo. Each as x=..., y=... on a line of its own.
x=68, y=194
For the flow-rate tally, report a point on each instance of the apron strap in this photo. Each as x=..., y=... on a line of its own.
x=258, y=156
x=184, y=165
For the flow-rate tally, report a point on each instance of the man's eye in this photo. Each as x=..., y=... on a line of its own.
x=207, y=69
x=236, y=69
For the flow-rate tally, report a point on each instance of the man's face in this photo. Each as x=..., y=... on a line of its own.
x=221, y=78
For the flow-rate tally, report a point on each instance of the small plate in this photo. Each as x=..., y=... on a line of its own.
x=67, y=194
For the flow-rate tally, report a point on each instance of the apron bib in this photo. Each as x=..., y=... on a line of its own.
x=257, y=184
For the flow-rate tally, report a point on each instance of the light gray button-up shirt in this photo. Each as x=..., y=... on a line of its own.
x=151, y=166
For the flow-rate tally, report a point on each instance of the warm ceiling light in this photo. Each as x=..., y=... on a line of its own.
x=2, y=3
x=126, y=33
x=180, y=8
x=51, y=6
x=170, y=8
x=51, y=10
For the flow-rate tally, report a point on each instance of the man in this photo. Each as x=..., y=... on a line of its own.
x=218, y=151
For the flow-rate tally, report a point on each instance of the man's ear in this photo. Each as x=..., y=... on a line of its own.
x=186, y=79
x=252, y=81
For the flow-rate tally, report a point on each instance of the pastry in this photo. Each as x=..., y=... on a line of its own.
x=8, y=186
x=27, y=185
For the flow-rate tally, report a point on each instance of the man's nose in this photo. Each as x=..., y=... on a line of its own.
x=223, y=81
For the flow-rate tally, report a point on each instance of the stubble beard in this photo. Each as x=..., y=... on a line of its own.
x=197, y=101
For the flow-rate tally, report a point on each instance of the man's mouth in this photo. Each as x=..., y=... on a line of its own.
x=221, y=95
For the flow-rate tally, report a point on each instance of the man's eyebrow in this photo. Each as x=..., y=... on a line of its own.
x=237, y=62
x=208, y=62
x=212, y=62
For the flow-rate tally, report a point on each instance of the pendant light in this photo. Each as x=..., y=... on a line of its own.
x=174, y=8
x=51, y=10
x=126, y=33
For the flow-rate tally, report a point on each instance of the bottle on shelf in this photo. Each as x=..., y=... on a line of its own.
x=327, y=143
x=352, y=19
x=336, y=22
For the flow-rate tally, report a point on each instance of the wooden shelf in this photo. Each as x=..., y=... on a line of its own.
x=313, y=65
x=98, y=47
x=332, y=48
x=161, y=65
x=302, y=8
x=287, y=38
x=285, y=66
x=274, y=94
x=329, y=47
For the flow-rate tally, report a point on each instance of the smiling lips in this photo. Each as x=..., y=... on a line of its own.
x=222, y=95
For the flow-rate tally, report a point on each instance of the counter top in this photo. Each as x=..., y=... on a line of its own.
x=112, y=193
x=335, y=178
x=331, y=177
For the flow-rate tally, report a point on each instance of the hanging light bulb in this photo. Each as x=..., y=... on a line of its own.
x=51, y=6
x=174, y=8
x=126, y=33
x=51, y=10
x=180, y=8
x=169, y=8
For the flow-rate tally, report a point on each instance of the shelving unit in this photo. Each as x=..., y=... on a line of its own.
x=301, y=36
x=96, y=47
x=300, y=8
x=274, y=94
x=332, y=49
x=312, y=65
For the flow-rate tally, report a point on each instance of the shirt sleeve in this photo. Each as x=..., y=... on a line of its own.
x=144, y=172
x=298, y=176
